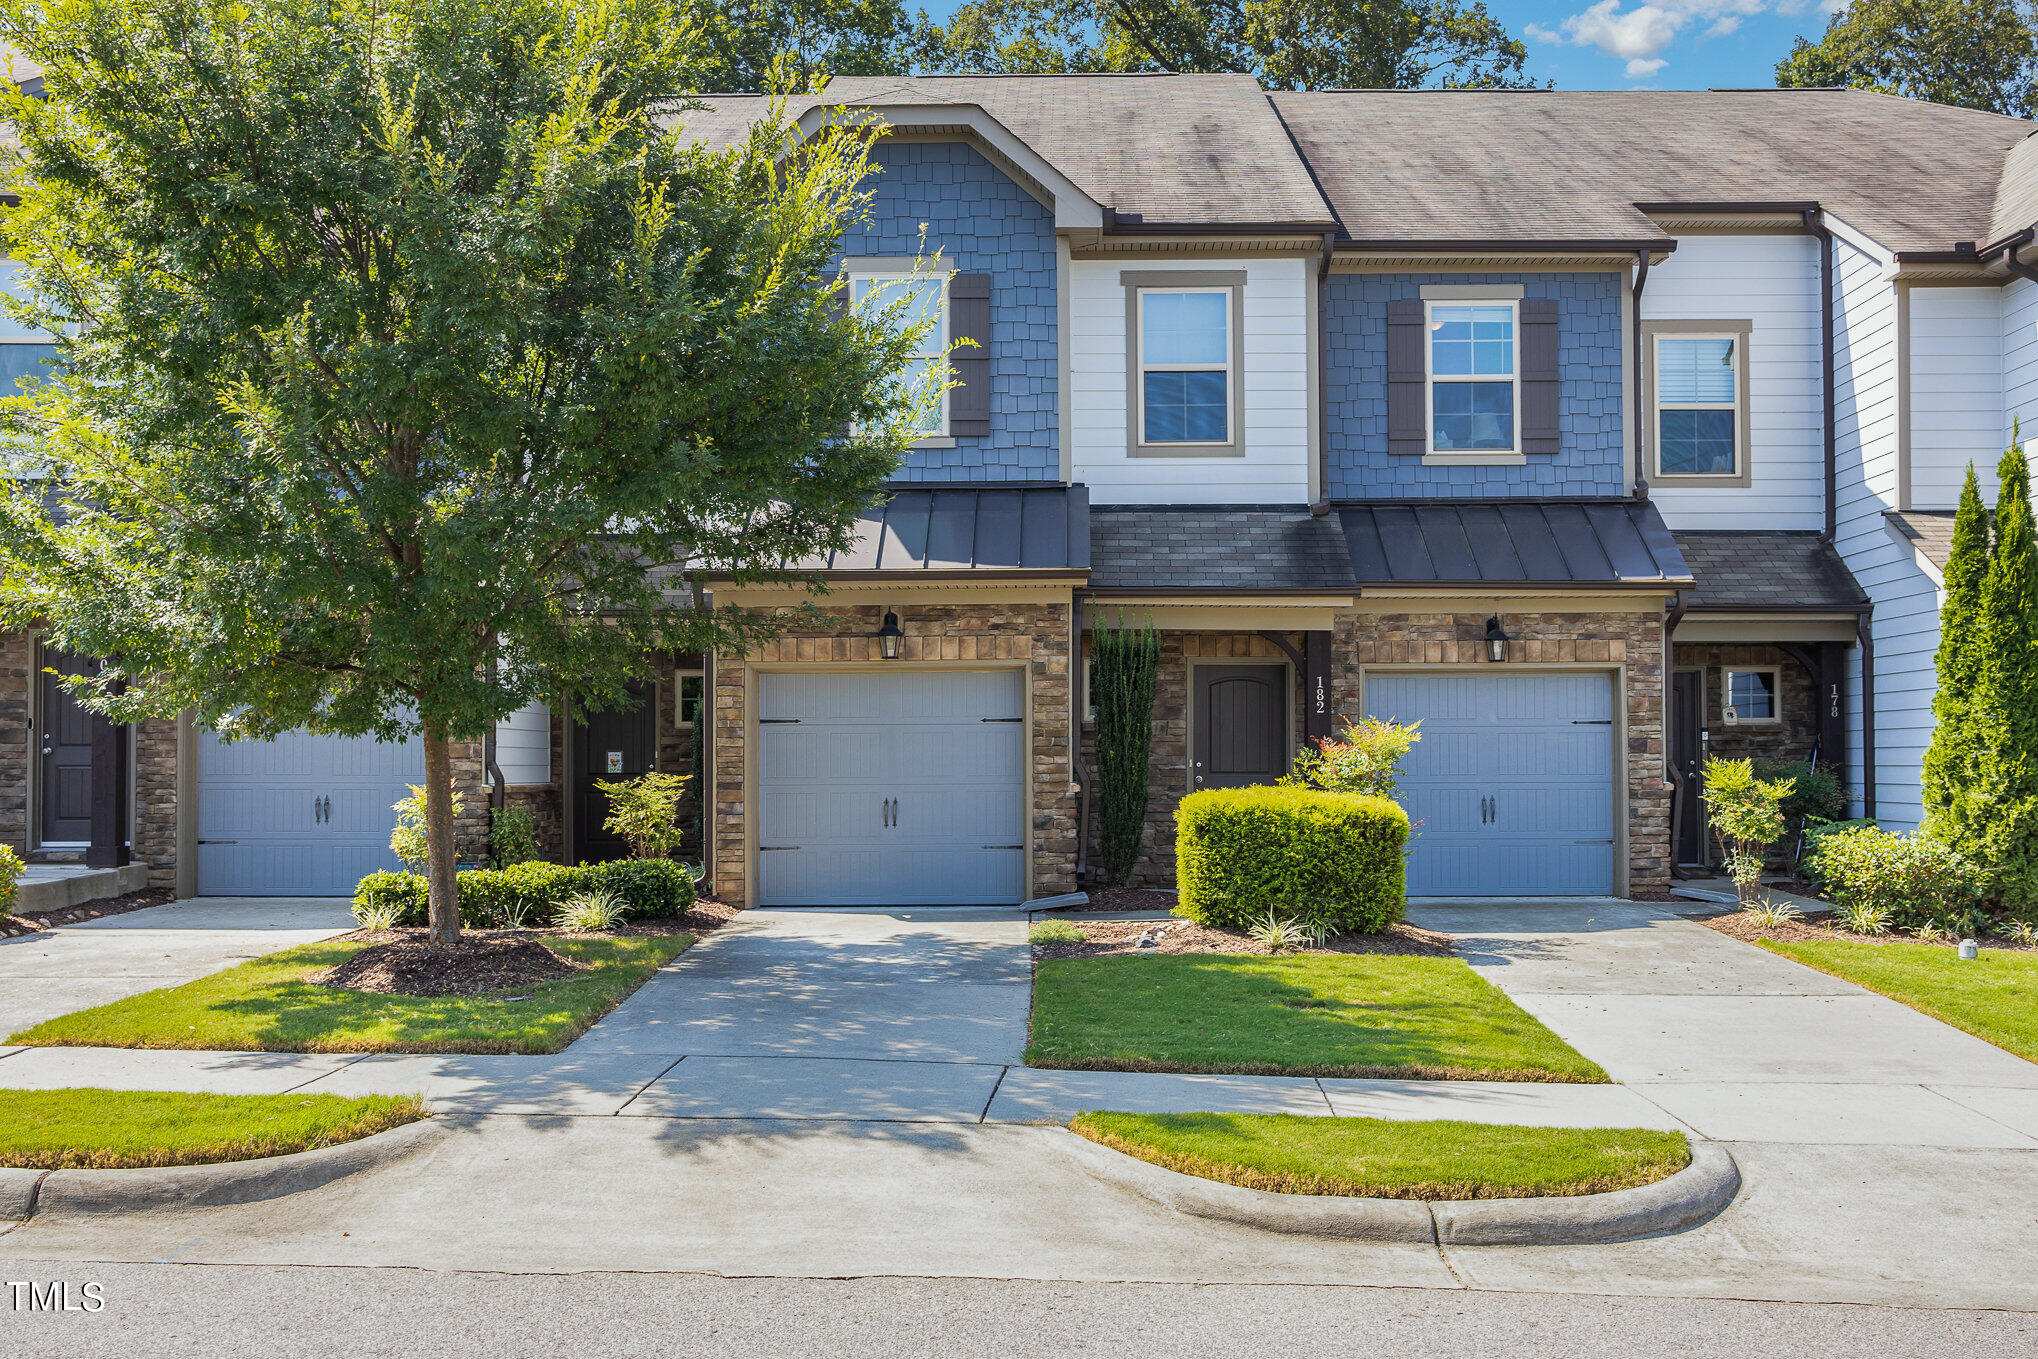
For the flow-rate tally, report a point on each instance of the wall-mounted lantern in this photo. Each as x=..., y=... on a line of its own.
x=1496, y=641
x=888, y=637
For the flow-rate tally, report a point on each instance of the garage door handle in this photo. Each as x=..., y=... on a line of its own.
x=219, y=842
x=767, y=849
x=1592, y=721
x=1001, y=719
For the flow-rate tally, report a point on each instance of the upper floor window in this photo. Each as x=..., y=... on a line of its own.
x=1698, y=420
x=1183, y=342
x=1474, y=382
x=913, y=298
x=23, y=352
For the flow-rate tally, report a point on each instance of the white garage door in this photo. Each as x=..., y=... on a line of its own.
x=301, y=815
x=891, y=788
x=1511, y=786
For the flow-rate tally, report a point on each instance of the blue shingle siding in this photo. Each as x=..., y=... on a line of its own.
x=1590, y=349
x=983, y=223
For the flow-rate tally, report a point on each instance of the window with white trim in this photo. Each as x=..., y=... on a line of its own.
x=1474, y=376
x=1751, y=696
x=1698, y=405
x=910, y=299
x=689, y=694
x=1185, y=377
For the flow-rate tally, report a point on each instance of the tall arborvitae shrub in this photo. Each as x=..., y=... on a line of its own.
x=1950, y=774
x=1125, y=667
x=2004, y=793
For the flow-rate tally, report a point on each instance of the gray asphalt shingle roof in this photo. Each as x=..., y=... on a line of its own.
x=1169, y=547
x=1748, y=570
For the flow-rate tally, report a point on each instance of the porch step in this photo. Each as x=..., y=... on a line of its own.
x=1702, y=894
x=46, y=888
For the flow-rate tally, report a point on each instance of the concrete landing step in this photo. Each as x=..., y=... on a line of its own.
x=46, y=888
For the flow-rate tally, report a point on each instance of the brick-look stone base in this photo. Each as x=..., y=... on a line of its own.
x=1792, y=739
x=960, y=633
x=1169, y=775
x=1634, y=640
x=17, y=667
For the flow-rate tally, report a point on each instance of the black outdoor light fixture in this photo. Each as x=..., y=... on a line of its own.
x=888, y=637
x=1496, y=641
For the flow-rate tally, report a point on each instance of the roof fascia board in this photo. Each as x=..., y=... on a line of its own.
x=1860, y=240
x=1404, y=262
x=1491, y=245
x=1917, y=552
x=1074, y=210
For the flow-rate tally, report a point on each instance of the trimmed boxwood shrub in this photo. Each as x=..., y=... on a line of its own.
x=1333, y=858
x=491, y=897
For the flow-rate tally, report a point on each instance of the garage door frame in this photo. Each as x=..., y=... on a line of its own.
x=1622, y=869
x=752, y=775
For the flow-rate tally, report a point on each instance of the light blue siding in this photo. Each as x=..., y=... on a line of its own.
x=1591, y=460
x=1511, y=787
x=983, y=223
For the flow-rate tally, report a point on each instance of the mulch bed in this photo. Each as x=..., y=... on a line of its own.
x=1128, y=899
x=482, y=963
x=13, y=925
x=1810, y=928
x=1109, y=937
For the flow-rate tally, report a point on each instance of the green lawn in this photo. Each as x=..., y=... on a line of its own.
x=85, y=1129
x=1995, y=997
x=1340, y=1014
x=266, y=1005
x=1391, y=1159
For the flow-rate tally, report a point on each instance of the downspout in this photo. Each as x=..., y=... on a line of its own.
x=1641, y=416
x=497, y=785
x=1814, y=222
x=2017, y=266
x=1322, y=505
x=703, y=779
x=1078, y=701
x=1680, y=793
x=1864, y=635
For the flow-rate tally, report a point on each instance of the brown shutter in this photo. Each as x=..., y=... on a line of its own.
x=1539, y=385
x=969, y=318
x=1407, y=376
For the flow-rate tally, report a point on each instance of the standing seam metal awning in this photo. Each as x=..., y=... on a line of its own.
x=1613, y=544
x=1043, y=529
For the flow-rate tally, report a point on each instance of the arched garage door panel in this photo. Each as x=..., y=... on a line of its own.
x=1512, y=784
x=301, y=815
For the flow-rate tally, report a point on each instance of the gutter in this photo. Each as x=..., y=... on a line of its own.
x=1322, y=505
x=1815, y=223
x=1864, y=635
x=1680, y=792
x=1641, y=415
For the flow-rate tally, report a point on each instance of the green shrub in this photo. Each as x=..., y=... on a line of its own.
x=1056, y=932
x=1747, y=815
x=390, y=900
x=512, y=834
x=1816, y=793
x=510, y=898
x=648, y=888
x=1124, y=675
x=11, y=869
x=1903, y=881
x=1363, y=758
x=645, y=812
x=591, y=912
x=1333, y=858
x=408, y=841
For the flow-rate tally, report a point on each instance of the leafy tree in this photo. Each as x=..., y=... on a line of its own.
x=411, y=365
x=1949, y=770
x=1979, y=54
x=1285, y=44
x=744, y=39
x=645, y=812
x=1747, y=814
x=1125, y=672
x=1364, y=758
x=2005, y=789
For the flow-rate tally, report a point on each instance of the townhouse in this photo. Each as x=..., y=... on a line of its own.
x=1596, y=431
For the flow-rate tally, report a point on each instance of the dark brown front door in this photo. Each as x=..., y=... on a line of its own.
x=619, y=744
x=66, y=786
x=1687, y=754
x=1241, y=734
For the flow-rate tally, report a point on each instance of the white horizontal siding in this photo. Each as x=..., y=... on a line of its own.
x=1279, y=309
x=523, y=746
x=1956, y=351
x=1773, y=283
x=2019, y=311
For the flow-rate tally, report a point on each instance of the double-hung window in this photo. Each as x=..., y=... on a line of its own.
x=914, y=299
x=1474, y=376
x=1749, y=696
x=1698, y=424
x=1185, y=369
x=23, y=352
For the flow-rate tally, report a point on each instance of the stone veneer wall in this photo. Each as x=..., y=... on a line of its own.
x=17, y=663
x=1798, y=703
x=1168, y=763
x=1633, y=639
x=1036, y=633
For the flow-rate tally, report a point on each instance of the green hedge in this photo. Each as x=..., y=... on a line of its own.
x=1334, y=858
x=491, y=897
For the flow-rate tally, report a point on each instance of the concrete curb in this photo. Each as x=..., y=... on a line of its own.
x=1684, y=1200
x=17, y=1192
x=104, y=1193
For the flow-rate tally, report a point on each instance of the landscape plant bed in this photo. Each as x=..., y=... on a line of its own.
x=88, y=1129
x=1431, y=1159
x=1994, y=997
x=277, y=1003
x=12, y=926
x=1811, y=928
x=1314, y=1014
x=1107, y=938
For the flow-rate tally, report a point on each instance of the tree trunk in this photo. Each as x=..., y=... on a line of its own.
x=443, y=912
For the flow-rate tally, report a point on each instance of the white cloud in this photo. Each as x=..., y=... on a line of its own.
x=1640, y=35
x=1537, y=33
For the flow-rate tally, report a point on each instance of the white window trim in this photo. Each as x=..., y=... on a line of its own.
x=679, y=679
x=1230, y=376
x=1775, y=674
x=1736, y=331
x=912, y=271
x=1513, y=452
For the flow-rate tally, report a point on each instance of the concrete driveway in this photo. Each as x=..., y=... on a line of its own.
x=78, y=966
